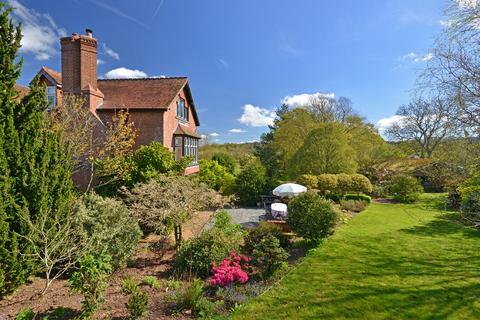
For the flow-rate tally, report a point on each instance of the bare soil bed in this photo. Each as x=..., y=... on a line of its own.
x=144, y=263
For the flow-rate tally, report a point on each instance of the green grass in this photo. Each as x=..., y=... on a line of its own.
x=392, y=261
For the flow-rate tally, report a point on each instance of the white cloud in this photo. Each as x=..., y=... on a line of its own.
x=110, y=52
x=40, y=32
x=237, y=131
x=124, y=73
x=416, y=58
x=304, y=98
x=214, y=134
x=385, y=123
x=100, y=61
x=256, y=116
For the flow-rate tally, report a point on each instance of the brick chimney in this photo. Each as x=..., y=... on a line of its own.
x=79, y=68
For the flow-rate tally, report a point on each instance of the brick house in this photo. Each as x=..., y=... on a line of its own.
x=162, y=109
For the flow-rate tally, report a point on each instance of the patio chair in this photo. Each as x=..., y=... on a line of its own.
x=267, y=202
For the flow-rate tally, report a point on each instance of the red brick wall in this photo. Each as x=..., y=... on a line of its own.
x=171, y=121
x=149, y=124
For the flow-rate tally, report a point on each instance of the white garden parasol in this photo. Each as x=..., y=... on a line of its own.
x=289, y=190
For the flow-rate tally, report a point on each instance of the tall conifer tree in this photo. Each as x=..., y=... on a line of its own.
x=36, y=189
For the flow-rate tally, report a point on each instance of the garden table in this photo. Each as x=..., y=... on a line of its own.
x=279, y=210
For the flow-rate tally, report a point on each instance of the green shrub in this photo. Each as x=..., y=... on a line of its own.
x=206, y=309
x=308, y=180
x=188, y=296
x=379, y=191
x=471, y=206
x=137, y=304
x=129, y=285
x=327, y=183
x=251, y=182
x=255, y=235
x=268, y=255
x=196, y=255
x=151, y=160
x=25, y=314
x=405, y=188
x=227, y=161
x=311, y=216
x=91, y=280
x=344, y=183
x=357, y=197
x=353, y=205
x=360, y=184
x=216, y=176
x=151, y=281
x=107, y=225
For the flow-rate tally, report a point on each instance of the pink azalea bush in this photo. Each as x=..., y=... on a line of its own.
x=234, y=268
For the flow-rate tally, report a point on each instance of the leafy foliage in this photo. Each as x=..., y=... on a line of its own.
x=26, y=314
x=137, y=304
x=251, y=182
x=405, y=188
x=227, y=161
x=311, y=216
x=106, y=225
x=308, y=180
x=264, y=229
x=91, y=280
x=216, y=176
x=36, y=189
x=162, y=204
x=268, y=255
x=326, y=149
x=146, y=163
x=361, y=184
x=196, y=256
x=188, y=296
x=327, y=183
x=151, y=281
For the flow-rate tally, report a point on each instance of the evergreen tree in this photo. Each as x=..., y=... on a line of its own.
x=36, y=189
x=265, y=149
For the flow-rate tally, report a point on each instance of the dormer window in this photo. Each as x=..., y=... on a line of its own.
x=182, y=110
x=51, y=96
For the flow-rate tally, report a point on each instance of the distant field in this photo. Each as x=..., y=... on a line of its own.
x=392, y=261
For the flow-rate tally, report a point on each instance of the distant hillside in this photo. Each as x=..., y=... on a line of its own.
x=236, y=150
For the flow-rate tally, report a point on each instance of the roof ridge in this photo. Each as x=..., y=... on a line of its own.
x=142, y=79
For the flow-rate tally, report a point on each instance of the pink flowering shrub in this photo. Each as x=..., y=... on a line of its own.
x=234, y=268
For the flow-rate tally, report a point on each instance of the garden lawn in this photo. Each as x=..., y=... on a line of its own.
x=392, y=261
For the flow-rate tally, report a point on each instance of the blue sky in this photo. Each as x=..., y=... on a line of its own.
x=243, y=58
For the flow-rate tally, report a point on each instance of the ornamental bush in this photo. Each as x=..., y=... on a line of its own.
x=471, y=206
x=264, y=229
x=357, y=197
x=91, y=280
x=106, y=225
x=344, y=183
x=360, y=184
x=311, y=216
x=327, y=183
x=308, y=180
x=268, y=255
x=216, y=176
x=226, y=161
x=196, y=256
x=233, y=269
x=405, y=188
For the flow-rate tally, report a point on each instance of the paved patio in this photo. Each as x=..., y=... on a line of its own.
x=247, y=217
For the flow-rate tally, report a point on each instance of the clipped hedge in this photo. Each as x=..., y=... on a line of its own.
x=357, y=197
x=308, y=180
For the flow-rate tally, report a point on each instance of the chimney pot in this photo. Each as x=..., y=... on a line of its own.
x=89, y=33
